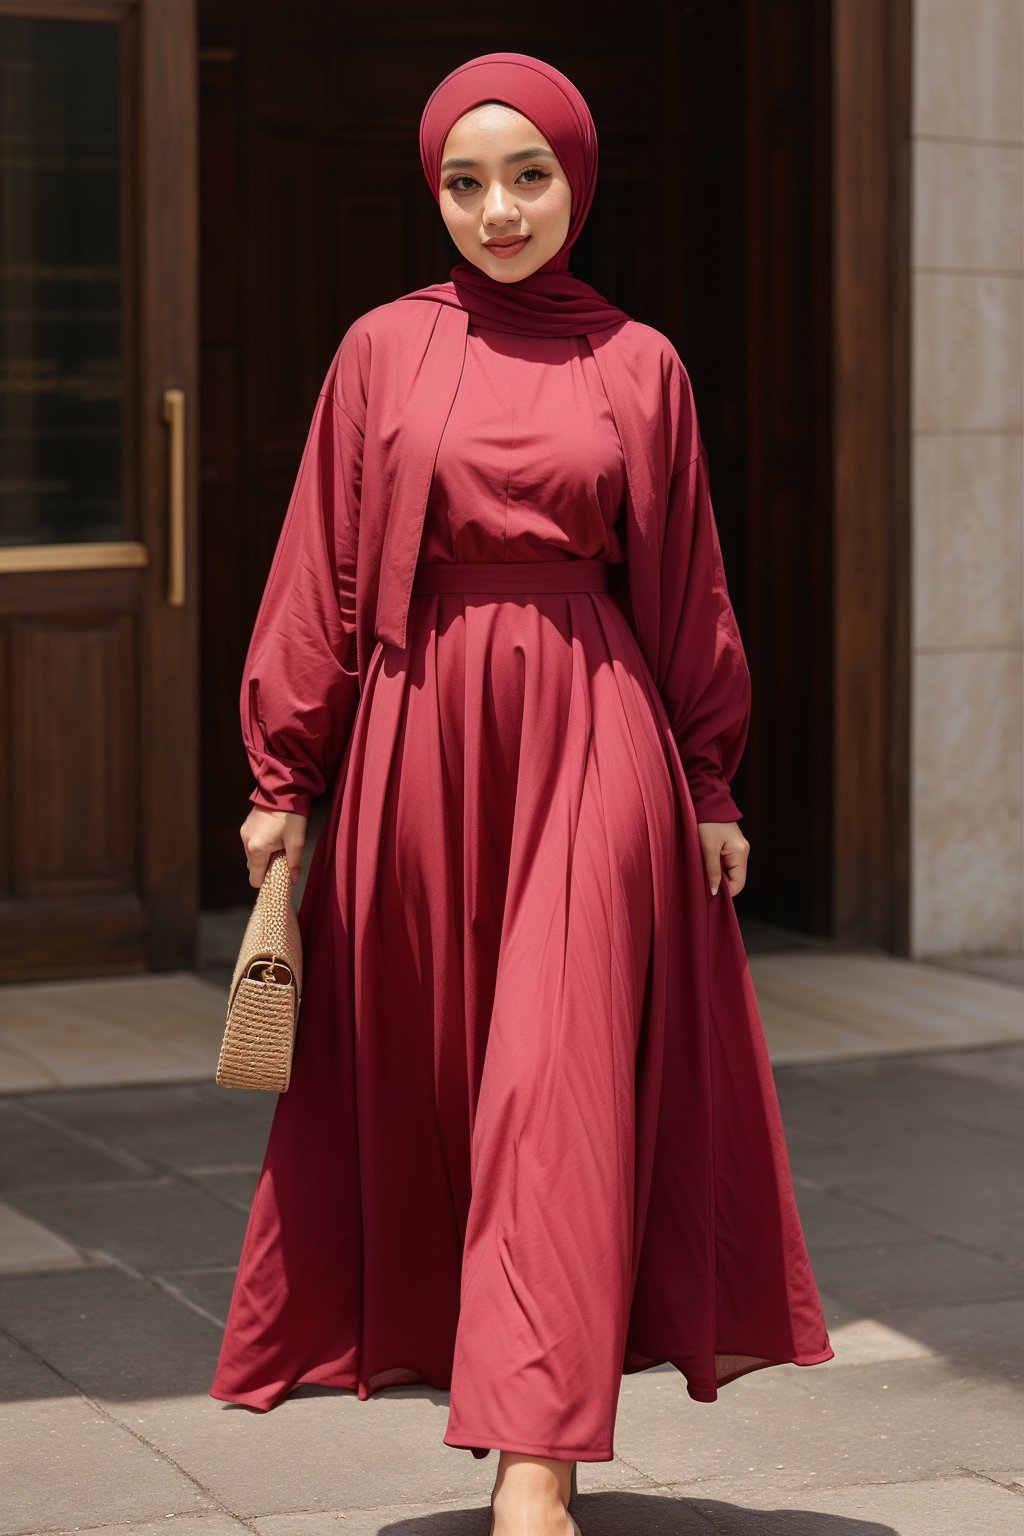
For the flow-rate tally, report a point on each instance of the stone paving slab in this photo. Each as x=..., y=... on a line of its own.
x=984, y=1338
x=62, y=1460
x=832, y=1221
x=25, y=1244
x=35, y=1150
x=207, y=1289
x=914, y=1272
x=115, y=1336
x=1010, y=1478
x=951, y=1506
x=22, y=1073
x=23, y=1376
x=60, y=1457
x=962, y=1087
x=1003, y=1068
x=320, y=1450
x=233, y=1187
x=173, y=1126
x=822, y=1425
x=156, y=1224
x=148, y=1362
x=166, y=1525
x=861, y=1340
x=953, y=1179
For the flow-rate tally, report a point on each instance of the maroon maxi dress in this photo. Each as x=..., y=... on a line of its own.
x=509, y=1162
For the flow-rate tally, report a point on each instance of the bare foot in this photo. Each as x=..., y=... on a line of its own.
x=530, y=1496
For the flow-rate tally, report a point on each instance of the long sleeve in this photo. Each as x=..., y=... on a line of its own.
x=703, y=677
x=300, y=683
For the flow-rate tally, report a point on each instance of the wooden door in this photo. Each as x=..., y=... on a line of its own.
x=98, y=601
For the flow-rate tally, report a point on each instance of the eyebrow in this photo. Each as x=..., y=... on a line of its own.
x=533, y=153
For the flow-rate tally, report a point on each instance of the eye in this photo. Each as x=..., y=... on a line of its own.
x=532, y=171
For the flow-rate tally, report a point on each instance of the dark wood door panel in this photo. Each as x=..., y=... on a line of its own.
x=69, y=870
x=75, y=693
x=98, y=638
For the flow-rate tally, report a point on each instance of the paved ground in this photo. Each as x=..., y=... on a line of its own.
x=130, y=1204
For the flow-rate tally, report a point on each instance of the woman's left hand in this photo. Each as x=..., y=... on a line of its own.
x=725, y=852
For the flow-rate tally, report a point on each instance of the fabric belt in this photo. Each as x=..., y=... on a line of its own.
x=573, y=574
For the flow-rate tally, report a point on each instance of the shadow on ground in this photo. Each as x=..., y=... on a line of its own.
x=657, y=1515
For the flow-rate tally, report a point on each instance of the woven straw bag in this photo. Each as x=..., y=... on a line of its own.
x=265, y=991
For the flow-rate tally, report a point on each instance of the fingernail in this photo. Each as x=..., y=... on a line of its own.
x=714, y=887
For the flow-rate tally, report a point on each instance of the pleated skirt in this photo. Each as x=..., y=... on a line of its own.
x=531, y=1140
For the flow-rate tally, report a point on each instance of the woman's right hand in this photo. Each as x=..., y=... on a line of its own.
x=265, y=833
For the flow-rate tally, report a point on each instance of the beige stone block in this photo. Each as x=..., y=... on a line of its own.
x=162, y=1027
x=967, y=353
x=822, y=1005
x=967, y=79
x=968, y=532
x=967, y=778
x=968, y=206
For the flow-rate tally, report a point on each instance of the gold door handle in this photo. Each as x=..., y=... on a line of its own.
x=174, y=415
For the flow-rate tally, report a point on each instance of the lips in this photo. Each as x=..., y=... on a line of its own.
x=507, y=248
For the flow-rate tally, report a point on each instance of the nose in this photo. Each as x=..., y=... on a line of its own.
x=499, y=205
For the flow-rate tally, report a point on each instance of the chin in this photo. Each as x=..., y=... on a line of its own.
x=503, y=277
x=499, y=270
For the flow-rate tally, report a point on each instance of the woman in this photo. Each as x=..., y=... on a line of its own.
x=531, y=1139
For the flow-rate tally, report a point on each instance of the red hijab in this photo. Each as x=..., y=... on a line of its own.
x=550, y=301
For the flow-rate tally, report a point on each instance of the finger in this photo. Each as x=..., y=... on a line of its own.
x=258, y=862
x=293, y=846
x=735, y=871
x=713, y=862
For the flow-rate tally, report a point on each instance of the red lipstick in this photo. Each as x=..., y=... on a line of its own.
x=506, y=247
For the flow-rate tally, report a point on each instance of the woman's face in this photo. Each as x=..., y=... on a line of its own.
x=500, y=180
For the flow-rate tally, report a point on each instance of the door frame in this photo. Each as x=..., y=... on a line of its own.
x=872, y=59
x=169, y=360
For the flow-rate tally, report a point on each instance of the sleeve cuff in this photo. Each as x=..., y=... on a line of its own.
x=716, y=805
x=285, y=800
